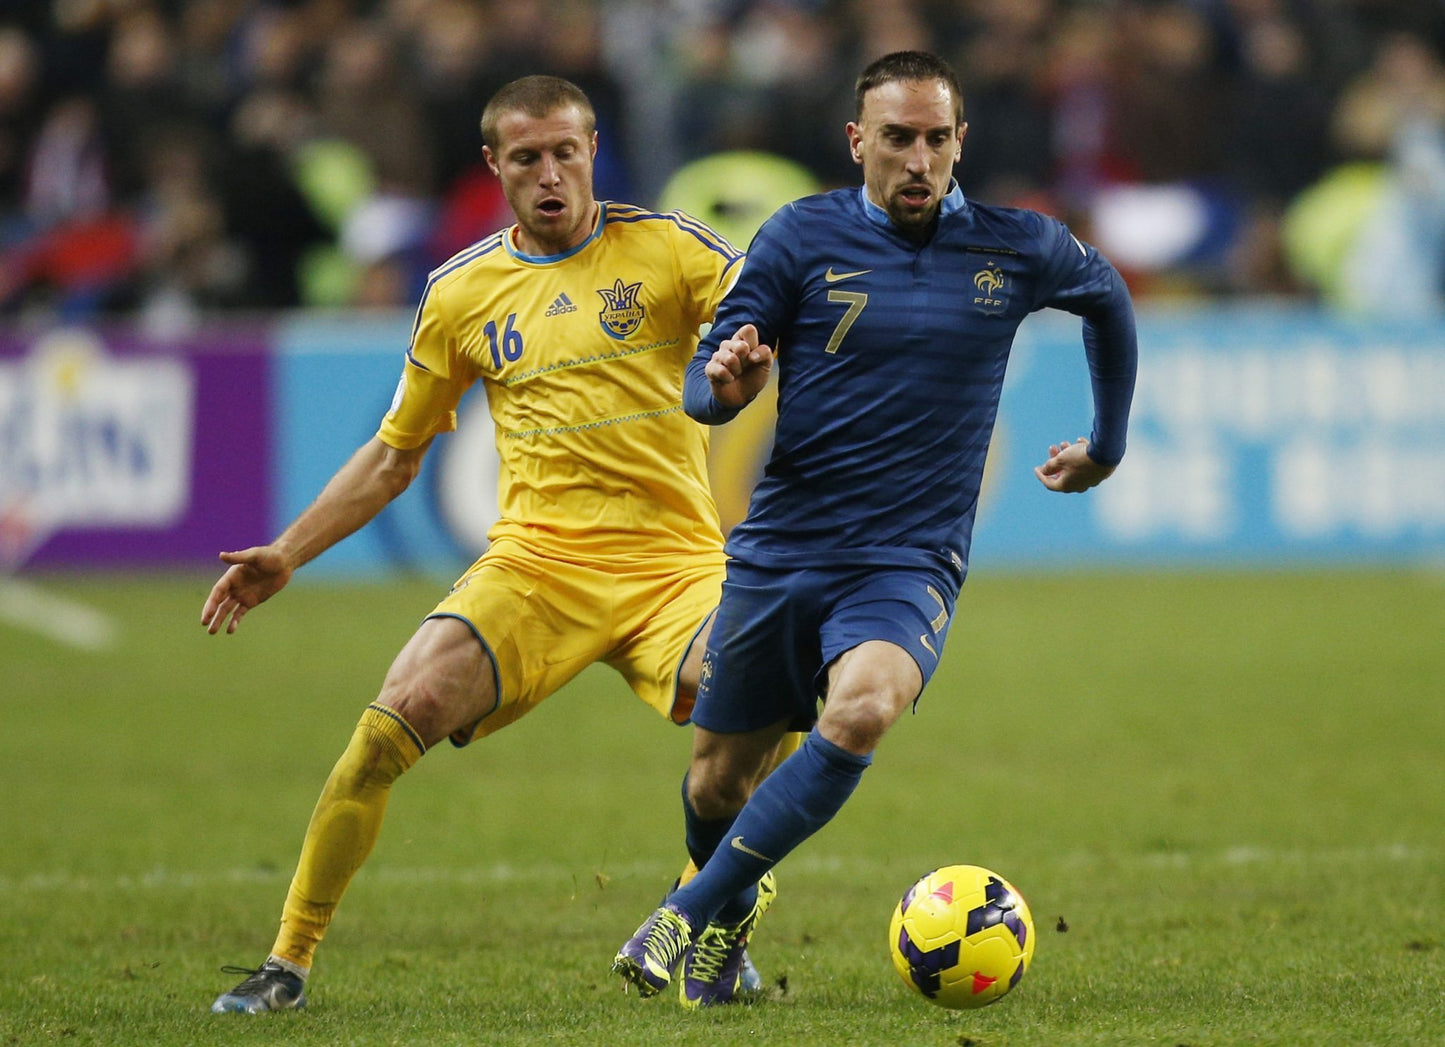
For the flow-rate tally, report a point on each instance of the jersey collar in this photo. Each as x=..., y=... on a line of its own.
x=953, y=200
x=546, y=259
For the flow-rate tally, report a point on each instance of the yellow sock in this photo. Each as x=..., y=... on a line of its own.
x=786, y=747
x=344, y=827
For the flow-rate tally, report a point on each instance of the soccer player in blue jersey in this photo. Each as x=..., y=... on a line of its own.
x=578, y=321
x=891, y=310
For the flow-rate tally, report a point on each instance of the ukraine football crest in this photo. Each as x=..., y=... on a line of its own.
x=621, y=313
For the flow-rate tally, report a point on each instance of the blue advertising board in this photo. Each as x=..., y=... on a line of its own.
x=334, y=382
x=1260, y=437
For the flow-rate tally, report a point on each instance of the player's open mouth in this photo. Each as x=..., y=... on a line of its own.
x=552, y=207
x=917, y=195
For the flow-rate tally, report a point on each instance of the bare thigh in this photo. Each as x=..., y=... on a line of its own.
x=441, y=681
x=691, y=669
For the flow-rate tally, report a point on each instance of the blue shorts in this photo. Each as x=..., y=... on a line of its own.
x=777, y=631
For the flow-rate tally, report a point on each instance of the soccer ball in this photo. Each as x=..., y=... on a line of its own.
x=962, y=936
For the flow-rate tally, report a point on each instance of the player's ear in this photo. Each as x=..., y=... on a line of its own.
x=594, y=145
x=491, y=160
x=958, y=149
x=855, y=141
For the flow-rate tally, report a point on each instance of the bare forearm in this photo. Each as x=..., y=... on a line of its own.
x=361, y=488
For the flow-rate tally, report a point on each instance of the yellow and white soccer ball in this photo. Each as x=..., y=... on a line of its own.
x=962, y=936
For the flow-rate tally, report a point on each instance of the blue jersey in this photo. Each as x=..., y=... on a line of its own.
x=891, y=357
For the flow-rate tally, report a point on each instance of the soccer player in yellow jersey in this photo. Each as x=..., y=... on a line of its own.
x=579, y=321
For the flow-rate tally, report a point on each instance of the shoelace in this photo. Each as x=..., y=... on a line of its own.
x=231, y=968
x=659, y=937
x=256, y=975
x=709, y=953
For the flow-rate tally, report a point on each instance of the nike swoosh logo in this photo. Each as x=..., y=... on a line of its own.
x=833, y=277
x=737, y=844
x=923, y=637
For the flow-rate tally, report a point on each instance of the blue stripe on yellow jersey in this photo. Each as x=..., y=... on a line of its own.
x=891, y=360
x=707, y=237
x=581, y=355
x=461, y=258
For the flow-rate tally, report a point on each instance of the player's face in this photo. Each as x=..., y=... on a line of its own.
x=907, y=142
x=545, y=166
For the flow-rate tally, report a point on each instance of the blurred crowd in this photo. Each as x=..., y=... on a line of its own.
x=169, y=158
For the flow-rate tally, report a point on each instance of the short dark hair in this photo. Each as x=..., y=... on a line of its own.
x=536, y=96
x=909, y=65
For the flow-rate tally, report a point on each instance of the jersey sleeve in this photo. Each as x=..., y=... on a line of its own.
x=1079, y=280
x=433, y=379
x=763, y=295
x=707, y=265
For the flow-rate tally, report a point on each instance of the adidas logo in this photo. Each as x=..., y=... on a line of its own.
x=563, y=304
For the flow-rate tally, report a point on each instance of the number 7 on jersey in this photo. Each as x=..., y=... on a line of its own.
x=856, y=301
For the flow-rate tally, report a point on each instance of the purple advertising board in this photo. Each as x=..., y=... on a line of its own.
x=123, y=450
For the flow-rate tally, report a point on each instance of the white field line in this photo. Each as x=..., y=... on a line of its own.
x=162, y=879
x=66, y=621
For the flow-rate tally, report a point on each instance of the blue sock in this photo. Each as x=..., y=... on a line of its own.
x=791, y=804
x=702, y=838
x=702, y=834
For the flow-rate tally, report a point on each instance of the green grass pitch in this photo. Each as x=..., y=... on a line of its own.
x=1221, y=794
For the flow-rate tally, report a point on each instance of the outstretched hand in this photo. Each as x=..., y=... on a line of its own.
x=255, y=575
x=739, y=368
x=1069, y=468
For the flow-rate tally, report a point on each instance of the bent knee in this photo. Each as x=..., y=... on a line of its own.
x=426, y=709
x=433, y=707
x=715, y=794
x=439, y=688
x=859, y=725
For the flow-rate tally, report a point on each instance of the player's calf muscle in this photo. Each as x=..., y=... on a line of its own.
x=726, y=767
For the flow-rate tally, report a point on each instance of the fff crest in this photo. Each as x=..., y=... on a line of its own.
x=621, y=314
x=989, y=282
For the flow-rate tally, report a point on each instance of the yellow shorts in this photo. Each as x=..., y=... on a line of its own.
x=543, y=621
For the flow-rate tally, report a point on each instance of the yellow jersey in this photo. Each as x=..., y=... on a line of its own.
x=582, y=356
